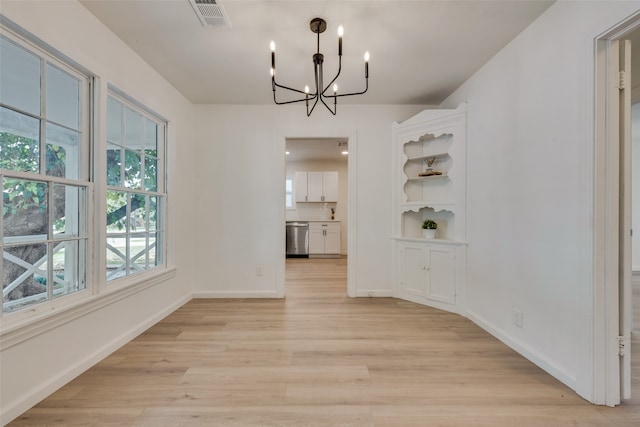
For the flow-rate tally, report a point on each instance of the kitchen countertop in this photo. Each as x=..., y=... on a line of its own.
x=312, y=220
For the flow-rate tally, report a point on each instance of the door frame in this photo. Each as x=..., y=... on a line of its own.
x=352, y=140
x=607, y=261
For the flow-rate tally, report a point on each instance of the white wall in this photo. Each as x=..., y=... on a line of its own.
x=241, y=167
x=30, y=370
x=530, y=188
x=313, y=211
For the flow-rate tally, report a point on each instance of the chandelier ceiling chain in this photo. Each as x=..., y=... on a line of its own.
x=318, y=26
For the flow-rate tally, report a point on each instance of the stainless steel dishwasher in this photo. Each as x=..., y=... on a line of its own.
x=297, y=239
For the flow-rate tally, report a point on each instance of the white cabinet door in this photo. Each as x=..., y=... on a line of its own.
x=314, y=187
x=330, y=186
x=316, y=239
x=413, y=276
x=441, y=269
x=427, y=274
x=332, y=238
x=301, y=186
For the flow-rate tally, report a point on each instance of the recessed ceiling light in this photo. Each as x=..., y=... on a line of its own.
x=344, y=153
x=287, y=153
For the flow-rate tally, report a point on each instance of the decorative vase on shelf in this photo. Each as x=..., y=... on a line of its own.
x=429, y=233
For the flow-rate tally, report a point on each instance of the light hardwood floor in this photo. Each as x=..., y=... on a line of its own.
x=318, y=358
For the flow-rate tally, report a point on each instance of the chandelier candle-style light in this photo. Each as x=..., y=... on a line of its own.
x=318, y=25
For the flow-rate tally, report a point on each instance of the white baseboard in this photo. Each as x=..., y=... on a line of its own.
x=235, y=294
x=23, y=403
x=561, y=374
x=374, y=293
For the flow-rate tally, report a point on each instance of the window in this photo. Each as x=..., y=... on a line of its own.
x=289, y=193
x=44, y=239
x=135, y=188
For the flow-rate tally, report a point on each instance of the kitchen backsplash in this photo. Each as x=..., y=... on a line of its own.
x=311, y=212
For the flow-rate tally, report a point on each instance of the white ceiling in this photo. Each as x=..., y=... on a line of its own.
x=421, y=51
x=327, y=149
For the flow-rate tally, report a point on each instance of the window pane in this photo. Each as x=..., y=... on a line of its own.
x=20, y=78
x=114, y=121
x=19, y=141
x=116, y=211
x=139, y=252
x=114, y=165
x=132, y=171
x=62, y=152
x=24, y=280
x=151, y=137
x=150, y=173
x=116, y=256
x=69, y=203
x=25, y=207
x=68, y=271
x=134, y=138
x=153, y=212
x=63, y=98
x=138, y=218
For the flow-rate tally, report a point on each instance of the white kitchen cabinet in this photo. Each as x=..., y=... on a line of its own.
x=300, y=186
x=316, y=186
x=324, y=238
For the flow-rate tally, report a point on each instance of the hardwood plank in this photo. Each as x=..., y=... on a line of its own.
x=262, y=416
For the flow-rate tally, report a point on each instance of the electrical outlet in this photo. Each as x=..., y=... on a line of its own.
x=517, y=318
x=259, y=271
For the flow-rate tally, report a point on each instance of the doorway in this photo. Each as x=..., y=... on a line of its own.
x=615, y=252
x=332, y=157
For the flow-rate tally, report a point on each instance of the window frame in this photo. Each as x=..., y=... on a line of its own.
x=49, y=57
x=160, y=194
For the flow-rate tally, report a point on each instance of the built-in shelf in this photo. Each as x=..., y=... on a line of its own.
x=422, y=178
x=434, y=241
x=430, y=271
x=429, y=156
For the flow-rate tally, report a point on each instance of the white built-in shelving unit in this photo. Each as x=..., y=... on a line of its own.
x=429, y=161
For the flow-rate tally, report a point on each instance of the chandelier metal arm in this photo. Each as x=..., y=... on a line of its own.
x=349, y=94
x=335, y=78
x=275, y=84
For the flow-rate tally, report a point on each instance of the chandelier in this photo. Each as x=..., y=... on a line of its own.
x=318, y=26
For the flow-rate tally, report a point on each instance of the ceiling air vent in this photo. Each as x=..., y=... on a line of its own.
x=210, y=13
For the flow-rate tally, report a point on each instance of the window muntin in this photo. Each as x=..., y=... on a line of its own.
x=45, y=191
x=135, y=197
